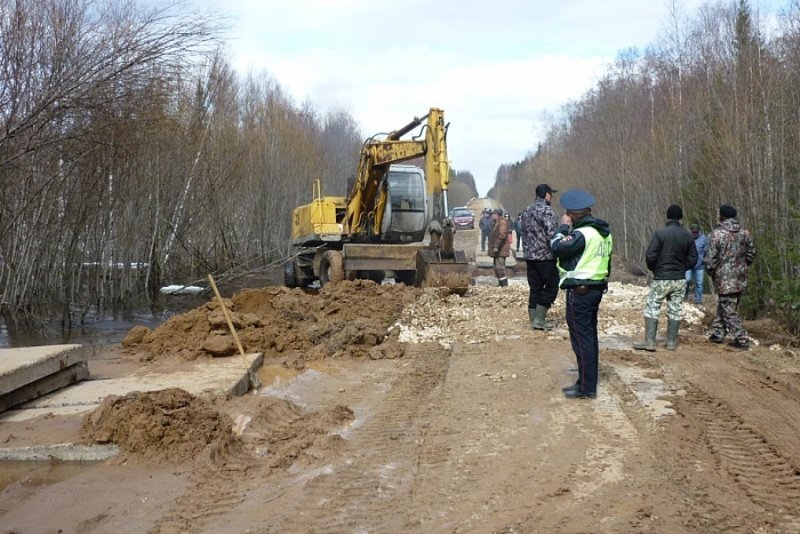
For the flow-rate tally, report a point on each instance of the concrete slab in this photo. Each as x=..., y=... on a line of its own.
x=62, y=452
x=43, y=386
x=22, y=366
x=225, y=376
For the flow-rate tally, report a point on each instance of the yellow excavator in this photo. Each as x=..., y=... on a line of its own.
x=379, y=230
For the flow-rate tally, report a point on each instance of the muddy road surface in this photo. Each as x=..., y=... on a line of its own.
x=405, y=410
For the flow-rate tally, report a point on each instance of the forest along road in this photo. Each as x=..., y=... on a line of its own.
x=462, y=427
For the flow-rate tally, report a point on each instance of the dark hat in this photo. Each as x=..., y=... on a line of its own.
x=694, y=227
x=726, y=211
x=576, y=200
x=498, y=211
x=674, y=213
x=543, y=189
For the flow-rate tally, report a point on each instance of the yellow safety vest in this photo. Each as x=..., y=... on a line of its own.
x=593, y=263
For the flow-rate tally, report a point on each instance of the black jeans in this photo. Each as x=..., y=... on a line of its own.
x=543, y=282
x=582, y=322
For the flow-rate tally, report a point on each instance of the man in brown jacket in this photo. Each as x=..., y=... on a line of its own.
x=499, y=245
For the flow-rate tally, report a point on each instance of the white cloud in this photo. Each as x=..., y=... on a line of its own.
x=494, y=68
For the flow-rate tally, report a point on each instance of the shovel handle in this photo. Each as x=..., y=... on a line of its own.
x=228, y=319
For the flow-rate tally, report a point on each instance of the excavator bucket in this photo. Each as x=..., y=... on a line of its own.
x=438, y=269
x=439, y=264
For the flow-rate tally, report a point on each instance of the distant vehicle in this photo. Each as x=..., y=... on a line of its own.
x=462, y=217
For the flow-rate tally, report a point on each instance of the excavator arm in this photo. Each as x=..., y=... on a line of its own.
x=367, y=200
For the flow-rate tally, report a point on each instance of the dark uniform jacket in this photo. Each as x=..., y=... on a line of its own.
x=485, y=224
x=569, y=249
x=671, y=252
x=539, y=224
x=498, y=239
x=730, y=252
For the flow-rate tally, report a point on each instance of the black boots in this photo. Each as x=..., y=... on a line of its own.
x=672, y=334
x=537, y=316
x=503, y=282
x=650, y=329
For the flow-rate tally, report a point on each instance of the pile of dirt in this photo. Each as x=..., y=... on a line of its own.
x=170, y=425
x=349, y=318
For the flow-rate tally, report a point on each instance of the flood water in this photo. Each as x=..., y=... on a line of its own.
x=96, y=332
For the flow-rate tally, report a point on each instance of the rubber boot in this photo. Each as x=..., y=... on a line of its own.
x=503, y=282
x=538, y=322
x=649, y=343
x=532, y=317
x=672, y=334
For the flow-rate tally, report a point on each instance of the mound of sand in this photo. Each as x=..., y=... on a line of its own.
x=170, y=425
x=349, y=318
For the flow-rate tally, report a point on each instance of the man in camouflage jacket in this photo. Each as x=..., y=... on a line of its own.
x=538, y=226
x=730, y=252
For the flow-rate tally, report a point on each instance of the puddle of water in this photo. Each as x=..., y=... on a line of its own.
x=277, y=375
x=36, y=474
x=272, y=374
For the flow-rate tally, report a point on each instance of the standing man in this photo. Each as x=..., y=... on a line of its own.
x=538, y=224
x=518, y=229
x=584, y=262
x=670, y=253
x=697, y=273
x=499, y=245
x=730, y=252
x=485, y=224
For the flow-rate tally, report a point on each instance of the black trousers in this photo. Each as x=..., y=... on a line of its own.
x=543, y=282
x=582, y=323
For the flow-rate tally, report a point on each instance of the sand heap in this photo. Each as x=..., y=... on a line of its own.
x=170, y=425
x=349, y=318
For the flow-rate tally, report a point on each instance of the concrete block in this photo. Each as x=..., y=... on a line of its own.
x=47, y=384
x=22, y=366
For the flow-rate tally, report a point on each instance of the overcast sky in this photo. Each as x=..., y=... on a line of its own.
x=496, y=68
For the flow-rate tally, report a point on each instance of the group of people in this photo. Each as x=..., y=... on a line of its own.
x=574, y=254
x=677, y=257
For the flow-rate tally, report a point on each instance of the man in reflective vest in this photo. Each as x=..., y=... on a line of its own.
x=583, y=254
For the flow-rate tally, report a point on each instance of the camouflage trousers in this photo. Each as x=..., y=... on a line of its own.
x=727, y=319
x=672, y=291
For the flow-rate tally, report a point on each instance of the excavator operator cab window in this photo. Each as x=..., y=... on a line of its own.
x=407, y=191
x=405, y=218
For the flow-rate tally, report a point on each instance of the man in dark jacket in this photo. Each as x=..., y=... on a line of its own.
x=670, y=253
x=730, y=252
x=584, y=264
x=485, y=224
x=539, y=224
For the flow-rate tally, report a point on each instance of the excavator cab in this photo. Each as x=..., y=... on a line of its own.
x=405, y=215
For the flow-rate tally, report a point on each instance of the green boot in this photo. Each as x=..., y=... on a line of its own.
x=672, y=334
x=538, y=322
x=532, y=317
x=650, y=329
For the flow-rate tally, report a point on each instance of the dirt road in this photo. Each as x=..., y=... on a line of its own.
x=465, y=429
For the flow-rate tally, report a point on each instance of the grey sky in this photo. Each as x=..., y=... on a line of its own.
x=495, y=68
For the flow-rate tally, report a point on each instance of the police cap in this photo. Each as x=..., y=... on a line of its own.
x=576, y=200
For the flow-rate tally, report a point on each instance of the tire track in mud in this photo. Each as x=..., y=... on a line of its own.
x=721, y=458
x=748, y=460
x=370, y=486
x=216, y=487
x=225, y=478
